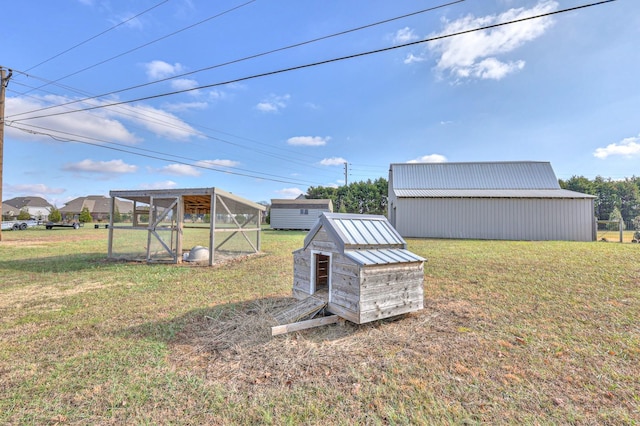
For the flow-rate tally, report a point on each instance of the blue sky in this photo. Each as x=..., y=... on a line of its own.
x=562, y=88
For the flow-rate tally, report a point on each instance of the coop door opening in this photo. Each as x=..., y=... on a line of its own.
x=322, y=272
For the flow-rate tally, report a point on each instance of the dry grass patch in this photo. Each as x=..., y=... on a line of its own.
x=511, y=333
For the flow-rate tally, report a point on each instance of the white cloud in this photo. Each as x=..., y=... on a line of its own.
x=218, y=163
x=308, y=140
x=35, y=188
x=102, y=167
x=101, y=124
x=180, y=170
x=185, y=84
x=290, y=192
x=157, y=121
x=217, y=95
x=626, y=147
x=411, y=59
x=474, y=54
x=97, y=125
x=431, y=158
x=157, y=70
x=404, y=35
x=333, y=161
x=167, y=184
x=273, y=103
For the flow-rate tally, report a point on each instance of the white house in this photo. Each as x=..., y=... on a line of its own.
x=488, y=200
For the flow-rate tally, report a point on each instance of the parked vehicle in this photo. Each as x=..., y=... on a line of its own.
x=74, y=225
x=19, y=225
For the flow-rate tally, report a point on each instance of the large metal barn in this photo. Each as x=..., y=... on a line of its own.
x=168, y=224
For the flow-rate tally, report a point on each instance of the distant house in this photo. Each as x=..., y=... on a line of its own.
x=488, y=200
x=300, y=214
x=99, y=207
x=360, y=266
x=37, y=207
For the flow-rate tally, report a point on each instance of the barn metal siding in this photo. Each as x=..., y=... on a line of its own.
x=292, y=219
x=495, y=218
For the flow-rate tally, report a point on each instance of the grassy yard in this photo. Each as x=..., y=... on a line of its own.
x=512, y=332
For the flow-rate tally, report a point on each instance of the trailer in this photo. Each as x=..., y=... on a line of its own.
x=74, y=225
x=19, y=225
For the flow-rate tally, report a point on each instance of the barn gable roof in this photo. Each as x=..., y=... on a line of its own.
x=365, y=239
x=514, y=179
x=485, y=175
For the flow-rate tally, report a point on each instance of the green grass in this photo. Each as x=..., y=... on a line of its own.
x=512, y=332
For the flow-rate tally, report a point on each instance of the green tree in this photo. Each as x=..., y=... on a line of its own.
x=365, y=197
x=117, y=217
x=85, y=216
x=54, y=215
x=606, y=197
x=617, y=216
x=578, y=184
x=24, y=214
x=628, y=196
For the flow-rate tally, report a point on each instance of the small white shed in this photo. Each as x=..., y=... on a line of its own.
x=361, y=265
x=298, y=214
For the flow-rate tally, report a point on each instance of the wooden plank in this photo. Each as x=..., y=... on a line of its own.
x=299, y=310
x=303, y=325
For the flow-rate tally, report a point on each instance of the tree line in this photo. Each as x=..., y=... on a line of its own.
x=368, y=197
x=615, y=199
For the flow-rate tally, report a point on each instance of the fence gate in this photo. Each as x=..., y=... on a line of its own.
x=163, y=243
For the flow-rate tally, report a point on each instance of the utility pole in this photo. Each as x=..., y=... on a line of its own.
x=4, y=81
x=346, y=172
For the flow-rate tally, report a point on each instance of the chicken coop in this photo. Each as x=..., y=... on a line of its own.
x=360, y=266
x=166, y=226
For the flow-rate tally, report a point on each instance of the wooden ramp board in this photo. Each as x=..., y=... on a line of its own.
x=301, y=309
x=303, y=325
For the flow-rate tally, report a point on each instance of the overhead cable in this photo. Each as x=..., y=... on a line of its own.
x=323, y=62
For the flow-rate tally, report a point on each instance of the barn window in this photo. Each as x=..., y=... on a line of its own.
x=304, y=211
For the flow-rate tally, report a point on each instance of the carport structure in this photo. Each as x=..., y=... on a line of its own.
x=166, y=223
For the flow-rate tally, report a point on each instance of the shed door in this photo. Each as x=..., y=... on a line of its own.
x=322, y=267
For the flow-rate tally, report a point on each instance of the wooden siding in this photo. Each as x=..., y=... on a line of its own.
x=301, y=274
x=494, y=218
x=390, y=290
x=292, y=219
x=360, y=293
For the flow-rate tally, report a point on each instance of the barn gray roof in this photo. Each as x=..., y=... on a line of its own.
x=515, y=179
x=365, y=239
x=486, y=175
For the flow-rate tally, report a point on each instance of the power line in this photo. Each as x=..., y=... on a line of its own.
x=154, y=157
x=97, y=35
x=250, y=57
x=151, y=42
x=323, y=62
x=150, y=118
x=235, y=61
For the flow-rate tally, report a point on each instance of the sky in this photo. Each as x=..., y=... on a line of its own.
x=265, y=99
